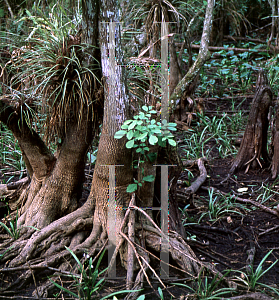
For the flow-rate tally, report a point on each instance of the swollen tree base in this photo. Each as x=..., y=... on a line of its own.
x=253, y=149
x=45, y=249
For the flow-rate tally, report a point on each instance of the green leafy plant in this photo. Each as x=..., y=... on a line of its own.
x=142, y=297
x=251, y=278
x=210, y=130
x=265, y=193
x=14, y=230
x=10, y=154
x=190, y=177
x=88, y=283
x=219, y=205
x=142, y=132
x=186, y=219
x=195, y=143
x=229, y=73
x=47, y=67
x=207, y=289
x=7, y=250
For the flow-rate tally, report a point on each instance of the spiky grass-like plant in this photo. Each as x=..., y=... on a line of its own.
x=49, y=71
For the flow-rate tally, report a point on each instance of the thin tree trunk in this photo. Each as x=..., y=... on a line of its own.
x=190, y=78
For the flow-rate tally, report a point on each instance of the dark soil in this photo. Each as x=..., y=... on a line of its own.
x=232, y=235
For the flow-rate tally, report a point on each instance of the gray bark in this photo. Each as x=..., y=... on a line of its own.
x=203, y=55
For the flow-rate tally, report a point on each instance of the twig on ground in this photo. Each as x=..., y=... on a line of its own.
x=200, y=180
x=269, y=230
x=131, y=255
x=251, y=296
x=240, y=38
x=35, y=282
x=206, y=227
x=15, y=172
x=216, y=259
x=223, y=256
x=235, y=50
x=15, y=185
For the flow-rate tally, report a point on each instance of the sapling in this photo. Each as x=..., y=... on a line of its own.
x=142, y=132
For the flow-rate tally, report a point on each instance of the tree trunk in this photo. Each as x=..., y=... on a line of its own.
x=180, y=99
x=253, y=147
x=111, y=151
x=56, y=182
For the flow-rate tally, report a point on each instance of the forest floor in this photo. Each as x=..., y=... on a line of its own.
x=220, y=235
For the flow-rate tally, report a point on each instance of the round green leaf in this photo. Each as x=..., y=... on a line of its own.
x=153, y=140
x=142, y=136
x=172, y=142
x=127, y=122
x=132, y=125
x=130, y=144
x=130, y=134
x=149, y=178
x=156, y=130
x=119, y=134
x=132, y=187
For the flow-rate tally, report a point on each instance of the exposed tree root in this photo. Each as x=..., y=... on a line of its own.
x=201, y=179
x=45, y=249
x=13, y=191
x=72, y=222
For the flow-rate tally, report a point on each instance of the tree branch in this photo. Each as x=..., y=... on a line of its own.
x=38, y=158
x=9, y=8
x=202, y=57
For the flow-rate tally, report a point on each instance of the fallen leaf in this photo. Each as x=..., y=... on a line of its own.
x=243, y=190
x=229, y=220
